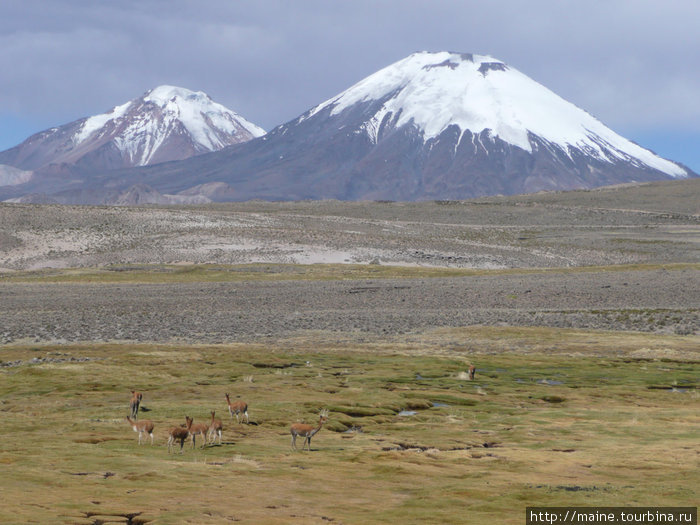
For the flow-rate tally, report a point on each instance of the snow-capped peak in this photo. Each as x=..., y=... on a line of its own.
x=143, y=126
x=433, y=91
x=161, y=95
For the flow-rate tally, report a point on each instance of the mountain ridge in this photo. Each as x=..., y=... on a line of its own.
x=357, y=147
x=430, y=126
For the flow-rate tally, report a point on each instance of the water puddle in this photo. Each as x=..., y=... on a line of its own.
x=440, y=405
x=406, y=413
x=550, y=382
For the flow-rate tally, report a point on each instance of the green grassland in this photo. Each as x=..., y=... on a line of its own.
x=554, y=417
x=182, y=273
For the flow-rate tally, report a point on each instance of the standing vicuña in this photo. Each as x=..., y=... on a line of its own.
x=135, y=403
x=199, y=429
x=237, y=407
x=307, y=431
x=141, y=427
x=215, y=427
x=177, y=434
x=472, y=372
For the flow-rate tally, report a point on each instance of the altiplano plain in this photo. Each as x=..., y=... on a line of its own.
x=580, y=311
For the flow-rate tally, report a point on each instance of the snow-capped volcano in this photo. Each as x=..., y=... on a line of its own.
x=433, y=91
x=431, y=126
x=166, y=123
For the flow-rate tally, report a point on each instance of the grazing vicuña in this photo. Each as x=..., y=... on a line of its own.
x=177, y=434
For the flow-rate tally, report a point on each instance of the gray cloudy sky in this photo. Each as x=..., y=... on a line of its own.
x=634, y=64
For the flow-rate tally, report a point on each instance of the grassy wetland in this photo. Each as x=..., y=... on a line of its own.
x=409, y=438
x=580, y=312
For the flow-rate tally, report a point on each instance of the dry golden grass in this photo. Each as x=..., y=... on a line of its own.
x=181, y=273
x=554, y=417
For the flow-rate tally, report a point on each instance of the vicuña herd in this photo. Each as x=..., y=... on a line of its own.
x=209, y=432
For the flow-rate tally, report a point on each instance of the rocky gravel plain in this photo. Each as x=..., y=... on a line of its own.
x=642, y=224
x=650, y=301
x=645, y=238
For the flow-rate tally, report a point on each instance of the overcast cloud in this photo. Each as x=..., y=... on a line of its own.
x=634, y=64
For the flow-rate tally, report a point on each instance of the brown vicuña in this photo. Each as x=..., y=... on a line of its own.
x=237, y=407
x=307, y=431
x=198, y=429
x=215, y=427
x=177, y=434
x=141, y=427
x=136, y=398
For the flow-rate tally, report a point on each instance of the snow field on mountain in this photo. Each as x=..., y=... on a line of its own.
x=200, y=115
x=97, y=122
x=141, y=126
x=435, y=90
